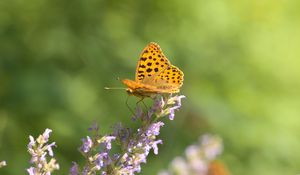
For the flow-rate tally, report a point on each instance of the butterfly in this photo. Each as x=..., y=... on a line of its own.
x=154, y=74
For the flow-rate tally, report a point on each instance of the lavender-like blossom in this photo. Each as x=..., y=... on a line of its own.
x=74, y=170
x=107, y=141
x=135, y=146
x=87, y=144
x=39, y=149
x=2, y=163
x=139, y=148
x=173, y=103
x=96, y=161
x=198, y=157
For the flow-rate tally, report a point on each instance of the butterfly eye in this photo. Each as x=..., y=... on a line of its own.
x=129, y=91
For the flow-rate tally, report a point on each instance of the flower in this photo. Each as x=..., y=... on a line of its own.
x=174, y=100
x=46, y=135
x=106, y=140
x=154, y=128
x=198, y=157
x=157, y=106
x=154, y=146
x=170, y=105
x=139, y=148
x=180, y=166
x=86, y=145
x=134, y=146
x=211, y=147
x=74, y=169
x=31, y=171
x=39, y=149
x=138, y=113
x=2, y=163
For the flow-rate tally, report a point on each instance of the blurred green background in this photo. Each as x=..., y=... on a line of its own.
x=241, y=61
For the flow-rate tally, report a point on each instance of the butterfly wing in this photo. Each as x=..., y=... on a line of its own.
x=169, y=81
x=151, y=63
x=155, y=74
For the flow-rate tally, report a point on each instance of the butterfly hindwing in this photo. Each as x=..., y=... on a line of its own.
x=170, y=79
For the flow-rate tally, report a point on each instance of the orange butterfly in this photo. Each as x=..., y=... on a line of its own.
x=154, y=74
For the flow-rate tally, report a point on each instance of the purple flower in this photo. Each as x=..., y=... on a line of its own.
x=154, y=146
x=139, y=148
x=197, y=157
x=212, y=146
x=94, y=127
x=31, y=171
x=172, y=112
x=46, y=134
x=39, y=149
x=138, y=113
x=157, y=106
x=31, y=142
x=135, y=146
x=120, y=132
x=74, y=170
x=85, y=170
x=86, y=145
x=174, y=100
x=154, y=128
x=106, y=140
x=102, y=160
x=49, y=148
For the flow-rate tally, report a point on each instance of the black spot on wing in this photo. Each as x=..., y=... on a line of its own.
x=149, y=70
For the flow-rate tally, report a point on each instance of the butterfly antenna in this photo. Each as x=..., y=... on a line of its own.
x=119, y=88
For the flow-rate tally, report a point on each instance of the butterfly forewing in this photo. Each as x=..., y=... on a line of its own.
x=152, y=62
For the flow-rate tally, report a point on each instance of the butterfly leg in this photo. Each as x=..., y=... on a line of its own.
x=129, y=106
x=145, y=105
x=142, y=100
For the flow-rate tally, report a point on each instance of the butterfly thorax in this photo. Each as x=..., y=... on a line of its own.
x=138, y=89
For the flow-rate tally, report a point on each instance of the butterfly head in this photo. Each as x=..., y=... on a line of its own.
x=130, y=86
